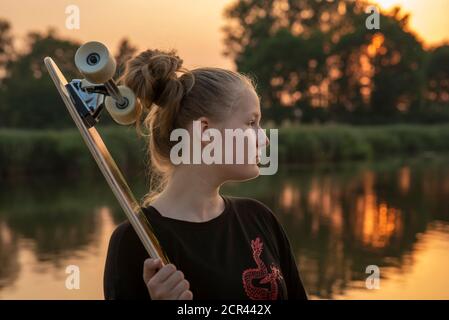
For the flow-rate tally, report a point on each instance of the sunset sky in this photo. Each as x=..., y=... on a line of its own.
x=191, y=26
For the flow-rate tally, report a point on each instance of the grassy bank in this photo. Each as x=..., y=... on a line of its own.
x=29, y=151
x=335, y=143
x=63, y=151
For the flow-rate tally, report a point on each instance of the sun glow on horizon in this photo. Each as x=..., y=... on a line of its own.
x=428, y=18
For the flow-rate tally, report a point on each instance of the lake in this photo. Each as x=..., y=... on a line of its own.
x=340, y=219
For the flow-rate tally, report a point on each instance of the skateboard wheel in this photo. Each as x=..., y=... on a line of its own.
x=122, y=114
x=95, y=62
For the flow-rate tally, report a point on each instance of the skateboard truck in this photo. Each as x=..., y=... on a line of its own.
x=89, y=98
x=88, y=102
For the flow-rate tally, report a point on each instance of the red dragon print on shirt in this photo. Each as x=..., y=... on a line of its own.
x=261, y=273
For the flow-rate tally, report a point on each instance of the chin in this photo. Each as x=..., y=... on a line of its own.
x=245, y=172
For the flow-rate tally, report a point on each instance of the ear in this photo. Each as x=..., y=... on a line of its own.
x=205, y=124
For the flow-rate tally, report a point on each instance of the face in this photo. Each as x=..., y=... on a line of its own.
x=238, y=136
x=245, y=116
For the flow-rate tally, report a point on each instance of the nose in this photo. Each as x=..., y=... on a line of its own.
x=262, y=139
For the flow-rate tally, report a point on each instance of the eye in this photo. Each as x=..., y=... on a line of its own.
x=252, y=123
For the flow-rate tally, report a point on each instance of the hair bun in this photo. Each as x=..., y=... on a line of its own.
x=152, y=75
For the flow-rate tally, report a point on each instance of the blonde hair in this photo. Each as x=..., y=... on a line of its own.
x=167, y=101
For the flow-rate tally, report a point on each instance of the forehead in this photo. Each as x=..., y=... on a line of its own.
x=248, y=102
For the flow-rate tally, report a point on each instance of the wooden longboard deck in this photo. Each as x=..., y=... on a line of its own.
x=109, y=168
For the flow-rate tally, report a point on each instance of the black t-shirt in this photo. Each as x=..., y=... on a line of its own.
x=243, y=253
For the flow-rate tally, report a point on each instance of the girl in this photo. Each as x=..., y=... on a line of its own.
x=220, y=247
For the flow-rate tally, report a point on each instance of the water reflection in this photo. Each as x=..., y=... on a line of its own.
x=339, y=220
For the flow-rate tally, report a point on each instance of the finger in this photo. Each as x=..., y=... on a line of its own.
x=150, y=267
x=186, y=295
x=173, y=280
x=164, y=273
x=179, y=288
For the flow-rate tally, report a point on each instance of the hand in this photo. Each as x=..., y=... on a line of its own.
x=165, y=282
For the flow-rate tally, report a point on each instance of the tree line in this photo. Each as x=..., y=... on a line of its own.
x=313, y=61
x=316, y=61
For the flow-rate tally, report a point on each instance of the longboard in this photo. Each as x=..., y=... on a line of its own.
x=107, y=165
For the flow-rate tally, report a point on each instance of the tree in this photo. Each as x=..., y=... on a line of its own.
x=283, y=44
x=380, y=70
x=30, y=97
x=434, y=106
x=6, y=45
x=6, y=55
x=397, y=63
x=318, y=56
x=437, y=76
x=124, y=53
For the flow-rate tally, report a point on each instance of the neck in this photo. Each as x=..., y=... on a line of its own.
x=190, y=195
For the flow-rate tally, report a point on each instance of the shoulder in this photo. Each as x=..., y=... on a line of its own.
x=122, y=231
x=123, y=238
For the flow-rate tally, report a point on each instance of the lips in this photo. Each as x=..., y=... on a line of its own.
x=258, y=156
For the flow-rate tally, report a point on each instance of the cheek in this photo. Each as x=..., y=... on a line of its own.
x=238, y=153
x=241, y=149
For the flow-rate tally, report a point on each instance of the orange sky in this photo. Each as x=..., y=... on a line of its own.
x=429, y=17
x=191, y=26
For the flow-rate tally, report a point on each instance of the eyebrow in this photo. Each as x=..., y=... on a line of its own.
x=256, y=114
